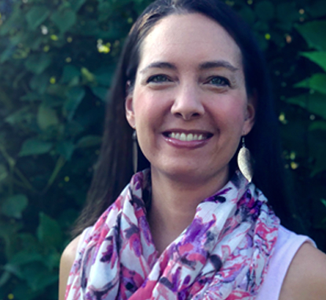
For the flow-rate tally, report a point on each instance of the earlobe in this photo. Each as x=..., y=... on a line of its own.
x=130, y=115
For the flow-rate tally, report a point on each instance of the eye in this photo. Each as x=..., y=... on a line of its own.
x=218, y=81
x=160, y=78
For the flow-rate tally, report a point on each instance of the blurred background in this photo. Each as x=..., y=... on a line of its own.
x=57, y=59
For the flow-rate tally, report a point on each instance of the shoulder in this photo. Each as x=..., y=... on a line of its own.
x=66, y=262
x=306, y=276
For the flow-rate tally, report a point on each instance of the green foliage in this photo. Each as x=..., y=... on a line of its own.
x=57, y=59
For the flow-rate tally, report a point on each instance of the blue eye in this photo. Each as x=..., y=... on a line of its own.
x=219, y=81
x=158, y=78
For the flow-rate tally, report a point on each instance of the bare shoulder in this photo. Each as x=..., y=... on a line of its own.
x=66, y=262
x=306, y=277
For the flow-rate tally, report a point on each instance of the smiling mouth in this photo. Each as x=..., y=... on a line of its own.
x=188, y=137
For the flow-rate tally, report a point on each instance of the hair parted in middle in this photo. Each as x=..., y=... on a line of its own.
x=114, y=167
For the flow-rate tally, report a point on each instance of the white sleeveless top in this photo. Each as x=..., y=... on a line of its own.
x=287, y=245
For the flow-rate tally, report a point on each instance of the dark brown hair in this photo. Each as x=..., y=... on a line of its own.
x=114, y=167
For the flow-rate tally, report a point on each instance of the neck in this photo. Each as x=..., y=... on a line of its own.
x=174, y=204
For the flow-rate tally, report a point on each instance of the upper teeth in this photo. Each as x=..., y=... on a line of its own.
x=186, y=137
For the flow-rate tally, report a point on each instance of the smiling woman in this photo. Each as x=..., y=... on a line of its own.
x=191, y=82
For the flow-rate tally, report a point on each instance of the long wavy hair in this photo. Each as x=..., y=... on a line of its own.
x=114, y=167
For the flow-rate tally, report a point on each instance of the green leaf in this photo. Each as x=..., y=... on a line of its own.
x=38, y=277
x=75, y=96
x=31, y=97
x=87, y=75
x=4, y=278
x=40, y=83
x=323, y=201
x=34, y=147
x=24, y=257
x=100, y=92
x=70, y=72
x=317, y=57
x=314, y=103
x=103, y=76
x=6, y=54
x=318, y=125
x=14, y=206
x=3, y=172
x=265, y=10
x=22, y=115
x=317, y=82
x=38, y=63
x=314, y=34
x=36, y=15
x=46, y=117
x=64, y=19
x=49, y=232
x=66, y=149
x=317, y=149
x=76, y=4
x=89, y=141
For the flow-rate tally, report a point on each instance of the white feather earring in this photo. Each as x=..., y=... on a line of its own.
x=134, y=152
x=244, y=161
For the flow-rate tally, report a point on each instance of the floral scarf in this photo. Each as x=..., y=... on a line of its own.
x=223, y=254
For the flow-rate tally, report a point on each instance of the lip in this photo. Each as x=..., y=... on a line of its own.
x=186, y=144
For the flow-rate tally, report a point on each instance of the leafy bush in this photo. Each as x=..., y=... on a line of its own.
x=57, y=59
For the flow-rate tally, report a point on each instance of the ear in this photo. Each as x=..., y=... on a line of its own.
x=250, y=115
x=130, y=115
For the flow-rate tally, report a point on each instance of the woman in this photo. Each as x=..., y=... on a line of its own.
x=191, y=83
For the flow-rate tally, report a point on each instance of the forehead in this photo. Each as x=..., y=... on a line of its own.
x=190, y=38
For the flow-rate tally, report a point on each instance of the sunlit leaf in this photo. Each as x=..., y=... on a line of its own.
x=317, y=57
x=14, y=206
x=35, y=147
x=314, y=34
x=317, y=82
x=36, y=15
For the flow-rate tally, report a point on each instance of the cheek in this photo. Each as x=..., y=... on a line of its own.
x=148, y=108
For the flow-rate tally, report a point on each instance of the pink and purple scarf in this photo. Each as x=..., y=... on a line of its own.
x=223, y=254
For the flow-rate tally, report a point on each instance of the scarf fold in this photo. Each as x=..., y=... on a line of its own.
x=223, y=254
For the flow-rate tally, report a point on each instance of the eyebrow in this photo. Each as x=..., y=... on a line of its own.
x=217, y=64
x=204, y=66
x=159, y=65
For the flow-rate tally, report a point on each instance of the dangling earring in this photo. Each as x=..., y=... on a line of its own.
x=244, y=161
x=134, y=152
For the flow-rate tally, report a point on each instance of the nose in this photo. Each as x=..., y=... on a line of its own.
x=187, y=103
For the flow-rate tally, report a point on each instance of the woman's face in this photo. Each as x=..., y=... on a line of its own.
x=189, y=104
